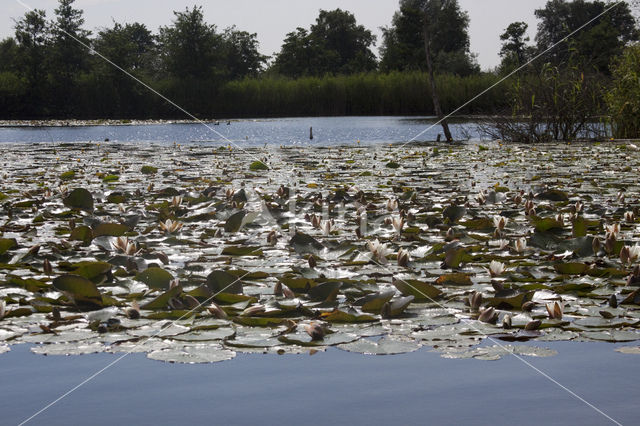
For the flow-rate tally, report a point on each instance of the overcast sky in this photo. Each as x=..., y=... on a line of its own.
x=273, y=19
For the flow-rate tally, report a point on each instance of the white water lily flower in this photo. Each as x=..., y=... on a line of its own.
x=521, y=244
x=500, y=222
x=392, y=205
x=326, y=227
x=124, y=245
x=634, y=253
x=176, y=201
x=629, y=217
x=398, y=224
x=613, y=229
x=169, y=226
x=496, y=268
x=379, y=251
x=403, y=257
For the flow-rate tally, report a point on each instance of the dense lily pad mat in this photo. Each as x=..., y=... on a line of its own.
x=207, y=256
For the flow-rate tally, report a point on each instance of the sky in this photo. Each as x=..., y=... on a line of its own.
x=273, y=19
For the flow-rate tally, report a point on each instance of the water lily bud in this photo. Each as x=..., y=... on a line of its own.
x=450, y=235
x=216, y=311
x=606, y=314
x=613, y=301
x=287, y=292
x=506, y=322
x=528, y=306
x=610, y=243
x=272, y=238
x=403, y=258
x=533, y=325
x=312, y=261
x=629, y=217
x=475, y=300
x=191, y=302
x=624, y=255
x=595, y=246
x=315, y=330
x=554, y=310
x=46, y=266
x=253, y=310
x=3, y=308
x=55, y=314
x=488, y=315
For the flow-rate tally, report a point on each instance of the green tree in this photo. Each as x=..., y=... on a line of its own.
x=191, y=48
x=8, y=54
x=335, y=44
x=514, y=51
x=68, y=57
x=594, y=46
x=132, y=47
x=623, y=99
x=32, y=36
x=242, y=56
x=403, y=43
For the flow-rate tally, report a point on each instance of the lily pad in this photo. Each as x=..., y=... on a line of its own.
x=80, y=199
x=155, y=277
x=83, y=291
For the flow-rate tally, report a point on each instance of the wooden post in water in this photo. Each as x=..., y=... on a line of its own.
x=310, y=133
x=434, y=93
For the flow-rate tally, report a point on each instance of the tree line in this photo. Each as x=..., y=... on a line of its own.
x=52, y=68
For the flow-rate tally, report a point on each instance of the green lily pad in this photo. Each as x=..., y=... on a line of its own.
x=258, y=165
x=193, y=354
x=456, y=279
x=7, y=244
x=83, y=291
x=221, y=281
x=110, y=229
x=82, y=233
x=155, y=277
x=80, y=199
x=387, y=345
x=420, y=290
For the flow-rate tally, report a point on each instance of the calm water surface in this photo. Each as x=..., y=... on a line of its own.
x=281, y=131
x=332, y=388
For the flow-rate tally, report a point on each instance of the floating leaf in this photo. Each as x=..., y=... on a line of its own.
x=325, y=292
x=162, y=301
x=110, y=229
x=234, y=222
x=395, y=307
x=304, y=244
x=495, y=352
x=341, y=316
x=82, y=233
x=148, y=170
x=373, y=303
x=83, y=291
x=193, y=354
x=242, y=251
x=155, y=277
x=420, y=290
x=457, y=279
x=545, y=224
x=387, y=345
x=221, y=281
x=454, y=213
x=7, y=244
x=80, y=199
x=258, y=165
x=571, y=268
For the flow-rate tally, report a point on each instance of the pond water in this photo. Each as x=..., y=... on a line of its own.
x=281, y=131
x=333, y=387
